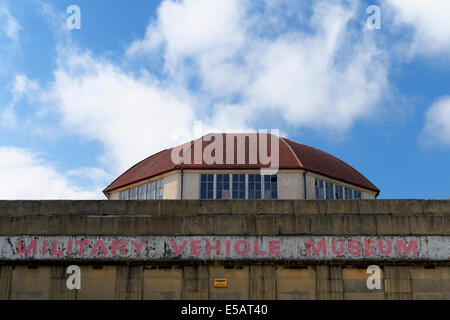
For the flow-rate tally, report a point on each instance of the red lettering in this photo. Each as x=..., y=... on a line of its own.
x=354, y=247
x=138, y=246
x=119, y=245
x=216, y=247
x=256, y=249
x=402, y=247
x=322, y=246
x=69, y=247
x=195, y=247
x=82, y=244
x=341, y=247
x=238, y=250
x=32, y=247
x=274, y=245
x=368, y=247
x=99, y=247
x=228, y=248
x=381, y=248
x=175, y=247
x=55, y=250
x=44, y=247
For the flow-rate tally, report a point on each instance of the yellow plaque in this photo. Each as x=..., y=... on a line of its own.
x=220, y=283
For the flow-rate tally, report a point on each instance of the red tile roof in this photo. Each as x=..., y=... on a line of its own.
x=292, y=155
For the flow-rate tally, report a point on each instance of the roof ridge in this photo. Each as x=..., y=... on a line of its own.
x=293, y=152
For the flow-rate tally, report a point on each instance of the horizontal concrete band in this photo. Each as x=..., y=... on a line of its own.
x=225, y=248
x=214, y=224
x=262, y=281
x=200, y=207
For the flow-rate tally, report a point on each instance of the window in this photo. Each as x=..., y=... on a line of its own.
x=222, y=186
x=159, y=189
x=238, y=186
x=339, y=192
x=151, y=191
x=254, y=186
x=206, y=186
x=320, y=193
x=124, y=195
x=329, y=190
x=334, y=191
x=133, y=194
x=270, y=187
x=141, y=192
x=348, y=193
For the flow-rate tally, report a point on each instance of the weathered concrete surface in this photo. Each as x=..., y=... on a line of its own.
x=321, y=279
x=224, y=248
x=196, y=217
x=283, y=282
x=198, y=207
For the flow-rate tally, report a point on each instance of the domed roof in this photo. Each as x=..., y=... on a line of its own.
x=292, y=155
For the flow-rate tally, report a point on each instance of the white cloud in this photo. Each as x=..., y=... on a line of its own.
x=329, y=76
x=437, y=123
x=20, y=87
x=23, y=86
x=26, y=176
x=429, y=20
x=132, y=117
x=9, y=24
x=194, y=27
x=95, y=175
x=8, y=117
x=323, y=74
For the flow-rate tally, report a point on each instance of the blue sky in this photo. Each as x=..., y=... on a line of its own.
x=78, y=107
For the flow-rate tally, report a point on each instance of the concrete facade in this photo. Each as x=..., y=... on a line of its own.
x=247, y=279
x=291, y=184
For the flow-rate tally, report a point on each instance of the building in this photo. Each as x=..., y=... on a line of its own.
x=235, y=166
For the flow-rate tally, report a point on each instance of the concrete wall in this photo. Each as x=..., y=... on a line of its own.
x=247, y=279
x=191, y=185
x=290, y=185
x=258, y=281
x=172, y=183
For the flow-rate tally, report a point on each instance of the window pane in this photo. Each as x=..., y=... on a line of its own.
x=270, y=187
x=348, y=193
x=238, y=186
x=254, y=186
x=159, y=194
x=142, y=192
x=133, y=194
x=329, y=190
x=222, y=186
x=151, y=191
x=124, y=195
x=206, y=186
x=338, y=192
